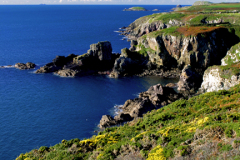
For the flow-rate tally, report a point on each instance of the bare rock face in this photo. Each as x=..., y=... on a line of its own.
x=57, y=64
x=155, y=97
x=22, y=66
x=143, y=26
x=67, y=73
x=233, y=55
x=200, y=51
x=189, y=80
x=137, y=107
x=215, y=78
x=101, y=51
x=98, y=59
x=128, y=63
x=107, y=121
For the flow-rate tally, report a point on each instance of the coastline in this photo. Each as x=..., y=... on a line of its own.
x=157, y=96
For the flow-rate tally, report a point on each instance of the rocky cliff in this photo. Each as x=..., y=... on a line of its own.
x=204, y=126
x=220, y=77
x=147, y=24
x=98, y=59
x=233, y=55
x=225, y=76
x=187, y=46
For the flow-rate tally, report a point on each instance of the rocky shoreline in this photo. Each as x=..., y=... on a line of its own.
x=203, y=51
x=154, y=53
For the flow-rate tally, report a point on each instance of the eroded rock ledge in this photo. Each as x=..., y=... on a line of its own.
x=99, y=58
x=22, y=66
x=155, y=97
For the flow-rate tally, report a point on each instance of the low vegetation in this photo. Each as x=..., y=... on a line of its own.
x=205, y=126
x=137, y=8
x=183, y=128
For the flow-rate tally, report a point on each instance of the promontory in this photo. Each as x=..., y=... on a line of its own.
x=198, y=119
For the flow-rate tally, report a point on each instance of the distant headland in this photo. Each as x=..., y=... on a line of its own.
x=135, y=9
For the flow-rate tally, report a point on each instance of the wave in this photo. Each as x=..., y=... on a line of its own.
x=117, y=109
x=136, y=94
x=8, y=66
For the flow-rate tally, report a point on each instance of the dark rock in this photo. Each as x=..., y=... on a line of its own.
x=123, y=117
x=67, y=73
x=156, y=89
x=129, y=63
x=137, y=107
x=98, y=59
x=48, y=68
x=22, y=66
x=189, y=80
x=57, y=64
x=171, y=85
x=101, y=51
x=156, y=97
x=107, y=121
x=59, y=61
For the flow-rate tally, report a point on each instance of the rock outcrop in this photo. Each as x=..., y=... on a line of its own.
x=98, y=59
x=129, y=63
x=189, y=80
x=220, y=78
x=147, y=24
x=200, y=51
x=57, y=64
x=155, y=97
x=233, y=55
x=22, y=66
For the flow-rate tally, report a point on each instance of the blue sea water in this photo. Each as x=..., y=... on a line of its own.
x=43, y=109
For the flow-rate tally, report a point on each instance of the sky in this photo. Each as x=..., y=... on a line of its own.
x=139, y=2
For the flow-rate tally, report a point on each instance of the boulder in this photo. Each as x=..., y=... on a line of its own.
x=106, y=121
x=160, y=96
x=137, y=107
x=122, y=118
x=22, y=66
x=189, y=80
x=171, y=85
x=67, y=73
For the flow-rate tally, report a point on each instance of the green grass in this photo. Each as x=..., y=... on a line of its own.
x=165, y=18
x=137, y=8
x=169, y=126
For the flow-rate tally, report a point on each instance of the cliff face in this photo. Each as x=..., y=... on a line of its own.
x=200, y=51
x=225, y=76
x=220, y=78
x=99, y=58
x=233, y=55
x=147, y=24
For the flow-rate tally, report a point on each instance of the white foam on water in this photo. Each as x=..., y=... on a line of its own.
x=8, y=66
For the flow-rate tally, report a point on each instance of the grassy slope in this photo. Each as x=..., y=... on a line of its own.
x=162, y=132
x=192, y=16
x=179, y=129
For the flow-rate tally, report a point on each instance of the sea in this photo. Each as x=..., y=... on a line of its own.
x=43, y=109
